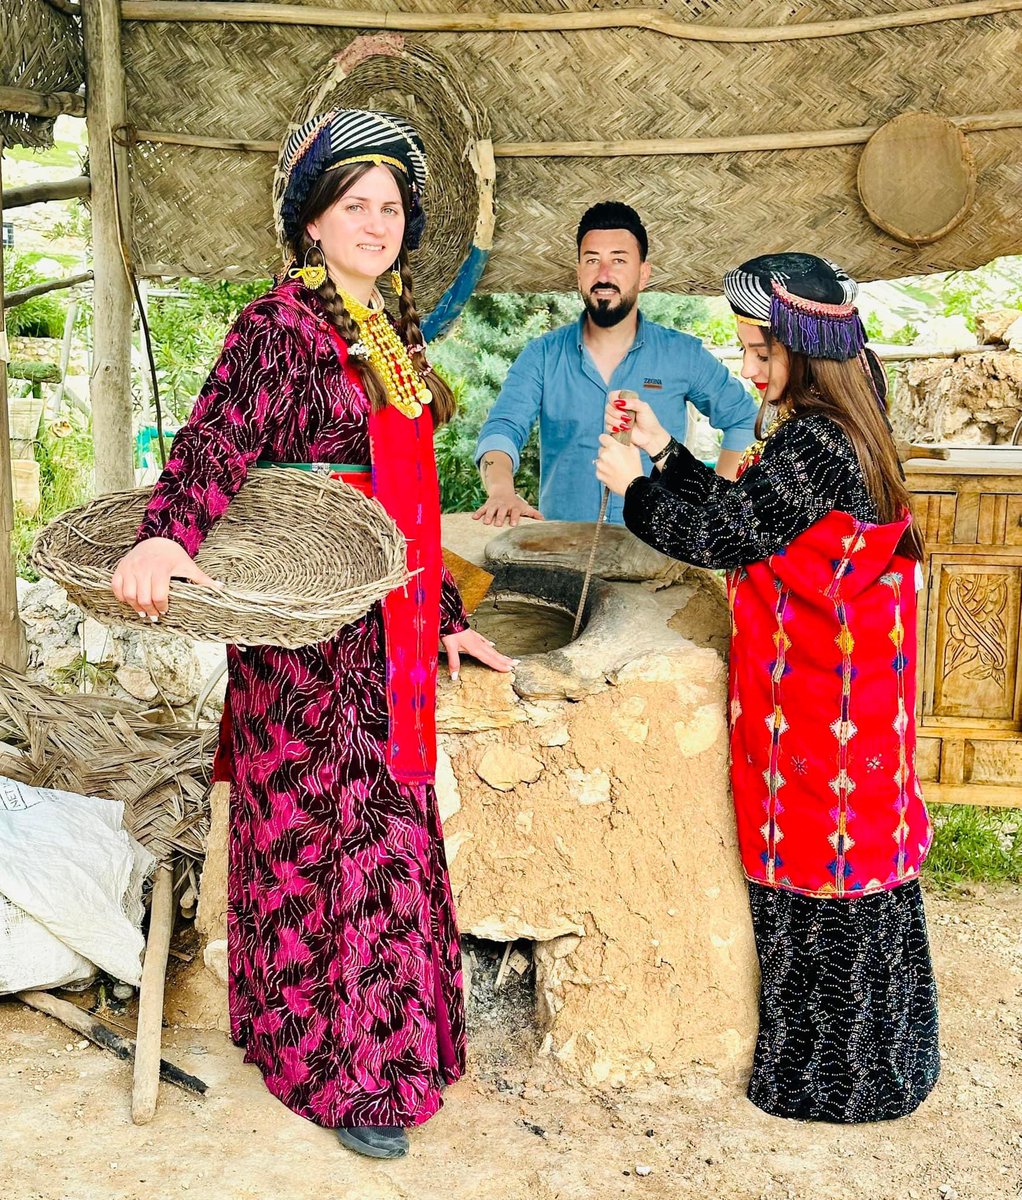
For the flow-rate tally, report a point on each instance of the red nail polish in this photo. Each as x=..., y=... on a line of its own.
x=619, y=404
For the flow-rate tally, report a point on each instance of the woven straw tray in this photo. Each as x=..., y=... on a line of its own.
x=299, y=554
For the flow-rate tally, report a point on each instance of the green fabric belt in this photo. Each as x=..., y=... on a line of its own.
x=347, y=468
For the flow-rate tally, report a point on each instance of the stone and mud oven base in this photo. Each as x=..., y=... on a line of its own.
x=586, y=808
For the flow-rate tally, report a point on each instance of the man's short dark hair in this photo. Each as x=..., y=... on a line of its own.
x=612, y=214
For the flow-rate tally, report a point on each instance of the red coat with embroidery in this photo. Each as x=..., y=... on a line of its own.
x=822, y=692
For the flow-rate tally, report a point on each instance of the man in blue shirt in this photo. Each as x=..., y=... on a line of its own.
x=563, y=379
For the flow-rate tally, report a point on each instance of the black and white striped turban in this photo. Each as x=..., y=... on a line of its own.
x=806, y=302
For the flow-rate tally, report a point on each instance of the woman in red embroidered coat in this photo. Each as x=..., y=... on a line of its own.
x=344, y=965
x=823, y=562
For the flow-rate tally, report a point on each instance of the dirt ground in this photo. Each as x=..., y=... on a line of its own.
x=513, y=1131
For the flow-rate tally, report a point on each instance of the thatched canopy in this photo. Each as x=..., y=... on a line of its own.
x=607, y=107
x=40, y=51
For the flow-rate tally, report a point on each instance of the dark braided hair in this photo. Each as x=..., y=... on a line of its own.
x=328, y=189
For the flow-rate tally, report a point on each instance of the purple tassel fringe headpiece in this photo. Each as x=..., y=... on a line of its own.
x=814, y=329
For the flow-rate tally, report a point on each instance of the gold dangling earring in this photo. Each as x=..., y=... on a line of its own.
x=313, y=276
x=395, y=281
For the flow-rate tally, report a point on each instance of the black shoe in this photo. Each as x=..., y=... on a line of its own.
x=375, y=1141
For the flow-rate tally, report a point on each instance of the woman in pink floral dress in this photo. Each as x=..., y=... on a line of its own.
x=345, y=974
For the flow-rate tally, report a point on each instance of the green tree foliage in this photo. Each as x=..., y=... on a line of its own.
x=188, y=326
x=65, y=456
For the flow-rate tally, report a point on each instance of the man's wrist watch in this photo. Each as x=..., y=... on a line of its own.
x=669, y=449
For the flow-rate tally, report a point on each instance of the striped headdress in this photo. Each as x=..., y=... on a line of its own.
x=806, y=302
x=337, y=138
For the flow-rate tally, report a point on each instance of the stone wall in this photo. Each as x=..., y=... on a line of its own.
x=71, y=652
x=972, y=400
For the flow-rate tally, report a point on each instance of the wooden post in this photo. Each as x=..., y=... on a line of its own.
x=13, y=647
x=150, y=999
x=110, y=386
x=37, y=193
x=40, y=289
x=41, y=104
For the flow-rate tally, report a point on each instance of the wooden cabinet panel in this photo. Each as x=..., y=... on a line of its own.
x=934, y=513
x=928, y=758
x=972, y=637
x=995, y=762
x=969, y=509
x=1000, y=520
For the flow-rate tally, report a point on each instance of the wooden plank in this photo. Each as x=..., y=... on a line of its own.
x=146, y=1080
x=110, y=385
x=91, y=1027
x=977, y=794
x=39, y=193
x=643, y=148
x=41, y=104
x=952, y=761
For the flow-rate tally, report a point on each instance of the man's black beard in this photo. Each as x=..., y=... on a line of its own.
x=606, y=313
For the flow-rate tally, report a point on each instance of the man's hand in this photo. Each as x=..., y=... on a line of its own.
x=505, y=507
x=503, y=504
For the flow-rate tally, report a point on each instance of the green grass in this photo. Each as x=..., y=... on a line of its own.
x=60, y=154
x=975, y=845
x=65, y=480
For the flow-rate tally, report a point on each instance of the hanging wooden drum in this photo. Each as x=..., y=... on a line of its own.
x=917, y=177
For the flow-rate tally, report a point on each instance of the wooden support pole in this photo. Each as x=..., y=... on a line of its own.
x=13, y=299
x=36, y=193
x=13, y=646
x=92, y=1028
x=505, y=22
x=798, y=139
x=41, y=104
x=110, y=386
x=150, y=1000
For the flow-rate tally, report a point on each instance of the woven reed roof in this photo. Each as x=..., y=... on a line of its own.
x=206, y=211
x=40, y=50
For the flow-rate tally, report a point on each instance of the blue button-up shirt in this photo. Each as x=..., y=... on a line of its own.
x=555, y=379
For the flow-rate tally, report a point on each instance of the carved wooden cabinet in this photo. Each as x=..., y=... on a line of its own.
x=970, y=680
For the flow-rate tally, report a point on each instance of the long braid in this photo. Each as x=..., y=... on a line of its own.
x=443, y=404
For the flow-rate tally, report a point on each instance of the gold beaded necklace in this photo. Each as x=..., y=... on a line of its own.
x=380, y=345
x=752, y=454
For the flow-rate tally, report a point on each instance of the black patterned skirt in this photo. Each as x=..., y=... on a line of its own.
x=848, y=1006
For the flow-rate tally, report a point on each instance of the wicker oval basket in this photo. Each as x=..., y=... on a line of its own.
x=300, y=555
